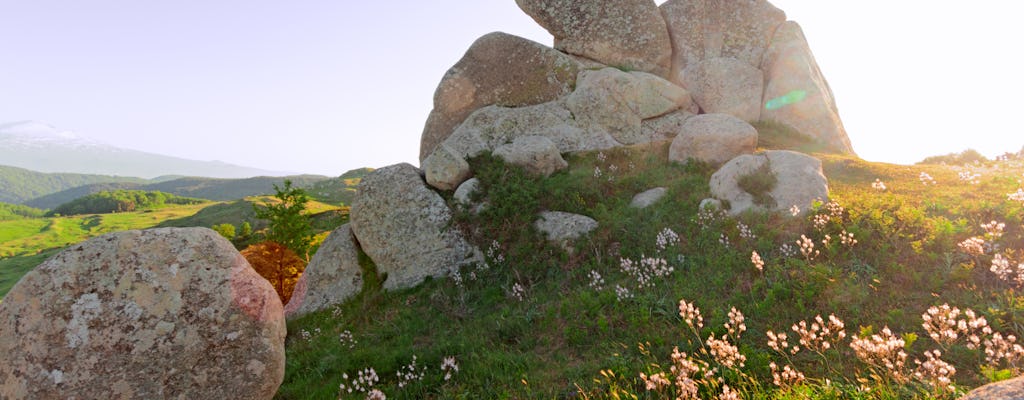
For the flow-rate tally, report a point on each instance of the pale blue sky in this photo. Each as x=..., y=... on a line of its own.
x=326, y=86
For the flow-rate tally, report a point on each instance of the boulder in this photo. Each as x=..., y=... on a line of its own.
x=726, y=86
x=648, y=198
x=537, y=154
x=406, y=229
x=1010, y=389
x=162, y=313
x=563, y=228
x=616, y=102
x=463, y=195
x=332, y=276
x=497, y=69
x=714, y=139
x=629, y=34
x=445, y=168
x=706, y=29
x=710, y=204
x=799, y=181
x=665, y=127
x=796, y=93
x=657, y=97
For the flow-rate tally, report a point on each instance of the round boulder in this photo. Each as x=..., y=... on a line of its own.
x=772, y=181
x=170, y=313
x=713, y=138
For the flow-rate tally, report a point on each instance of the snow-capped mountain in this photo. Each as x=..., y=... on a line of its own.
x=39, y=146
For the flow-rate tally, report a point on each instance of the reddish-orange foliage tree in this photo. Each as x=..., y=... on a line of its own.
x=278, y=264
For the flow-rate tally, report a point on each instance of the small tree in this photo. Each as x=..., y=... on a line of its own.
x=245, y=230
x=225, y=230
x=288, y=225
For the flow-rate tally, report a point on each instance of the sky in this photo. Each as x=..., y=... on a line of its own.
x=325, y=86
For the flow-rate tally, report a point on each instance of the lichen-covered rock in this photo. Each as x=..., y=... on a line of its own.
x=796, y=93
x=332, y=276
x=497, y=69
x=537, y=154
x=446, y=169
x=648, y=198
x=167, y=313
x=799, y=181
x=706, y=29
x=464, y=193
x=1011, y=389
x=406, y=229
x=714, y=139
x=617, y=102
x=665, y=127
x=629, y=34
x=563, y=228
x=726, y=86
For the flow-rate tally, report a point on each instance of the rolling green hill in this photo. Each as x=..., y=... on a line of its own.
x=339, y=190
x=18, y=185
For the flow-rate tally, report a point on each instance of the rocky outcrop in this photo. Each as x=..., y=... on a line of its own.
x=332, y=276
x=648, y=198
x=1011, y=389
x=726, y=86
x=617, y=102
x=629, y=34
x=796, y=93
x=799, y=181
x=714, y=139
x=499, y=69
x=406, y=229
x=537, y=154
x=163, y=313
x=707, y=29
x=563, y=228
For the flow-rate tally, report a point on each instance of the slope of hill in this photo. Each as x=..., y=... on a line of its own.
x=541, y=322
x=338, y=190
x=204, y=188
x=18, y=185
x=40, y=147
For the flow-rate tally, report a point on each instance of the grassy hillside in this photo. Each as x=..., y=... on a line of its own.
x=338, y=190
x=541, y=322
x=18, y=185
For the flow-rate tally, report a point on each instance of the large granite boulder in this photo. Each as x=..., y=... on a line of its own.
x=799, y=181
x=617, y=102
x=796, y=93
x=726, y=86
x=629, y=34
x=167, y=313
x=332, y=276
x=406, y=229
x=497, y=69
x=665, y=127
x=714, y=139
x=1011, y=389
x=537, y=154
x=706, y=29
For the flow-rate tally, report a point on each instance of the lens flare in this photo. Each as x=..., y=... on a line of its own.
x=795, y=96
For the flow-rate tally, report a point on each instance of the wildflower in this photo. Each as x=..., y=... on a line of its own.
x=336, y=311
x=926, y=179
x=807, y=248
x=778, y=342
x=794, y=210
x=935, y=372
x=1001, y=267
x=819, y=335
x=943, y=326
x=666, y=238
x=690, y=314
x=518, y=292
x=647, y=271
x=622, y=293
x=449, y=367
x=736, y=325
x=597, y=172
x=967, y=176
x=993, y=230
x=999, y=348
x=728, y=394
x=974, y=246
x=787, y=376
x=347, y=339
x=757, y=261
x=724, y=240
x=787, y=250
x=683, y=369
x=725, y=353
x=707, y=215
x=745, y=232
x=601, y=157
x=1018, y=196
x=846, y=238
x=883, y=351
x=613, y=168
x=376, y=394
x=878, y=185
x=820, y=221
x=410, y=373
x=362, y=383
x=596, y=281
x=655, y=382
x=835, y=210
x=494, y=252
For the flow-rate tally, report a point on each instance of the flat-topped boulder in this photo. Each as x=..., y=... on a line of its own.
x=170, y=313
x=713, y=138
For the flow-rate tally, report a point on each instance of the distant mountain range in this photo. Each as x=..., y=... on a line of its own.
x=41, y=147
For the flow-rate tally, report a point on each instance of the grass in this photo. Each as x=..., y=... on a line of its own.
x=568, y=339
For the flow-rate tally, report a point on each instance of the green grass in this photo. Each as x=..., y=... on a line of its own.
x=567, y=339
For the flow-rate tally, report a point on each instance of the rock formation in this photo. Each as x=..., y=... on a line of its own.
x=332, y=276
x=714, y=139
x=162, y=313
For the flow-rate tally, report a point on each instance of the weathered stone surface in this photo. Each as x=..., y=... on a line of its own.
x=463, y=195
x=537, y=154
x=445, y=169
x=800, y=181
x=497, y=69
x=1011, y=389
x=405, y=228
x=796, y=93
x=167, y=313
x=706, y=29
x=616, y=102
x=562, y=227
x=710, y=204
x=714, y=139
x=666, y=127
x=332, y=276
x=726, y=86
x=628, y=34
x=648, y=198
